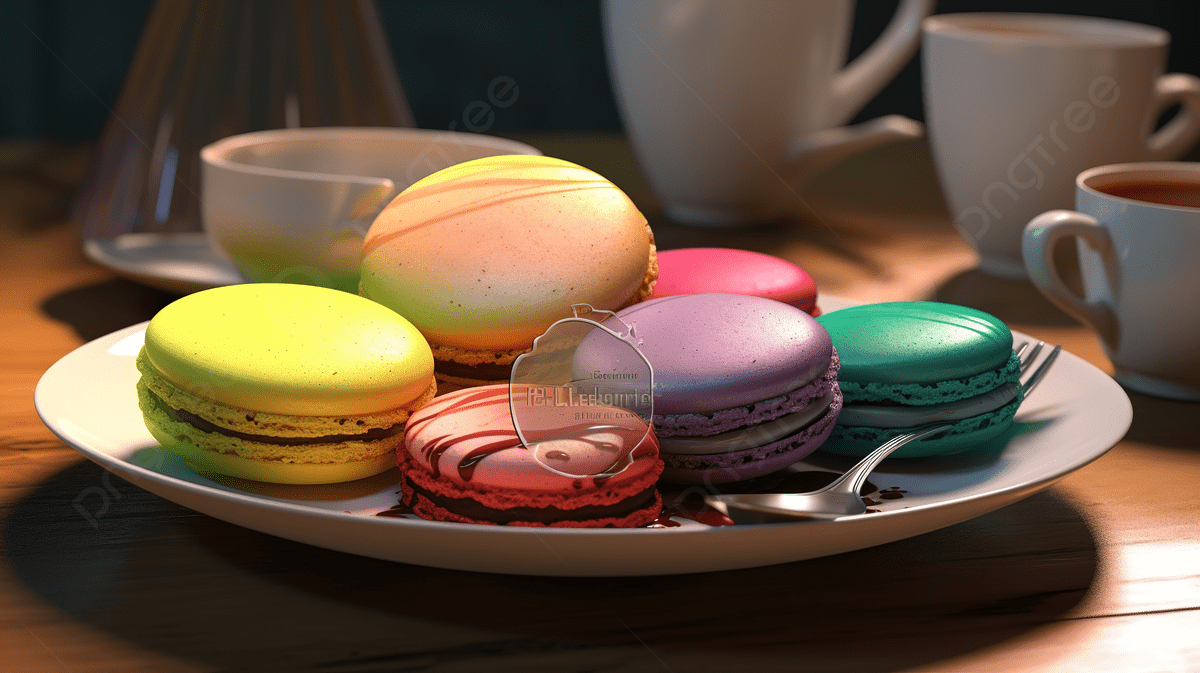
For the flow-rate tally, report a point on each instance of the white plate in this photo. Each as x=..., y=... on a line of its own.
x=183, y=263
x=1077, y=414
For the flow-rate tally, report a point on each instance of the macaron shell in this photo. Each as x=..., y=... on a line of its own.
x=486, y=254
x=937, y=392
x=240, y=419
x=268, y=447
x=915, y=343
x=976, y=435
x=570, y=510
x=717, y=351
x=727, y=270
x=755, y=462
x=890, y=415
x=746, y=437
x=724, y=420
x=308, y=464
x=289, y=349
x=234, y=465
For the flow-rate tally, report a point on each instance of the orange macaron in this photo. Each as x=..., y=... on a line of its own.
x=483, y=256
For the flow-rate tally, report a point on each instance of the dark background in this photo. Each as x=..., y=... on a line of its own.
x=62, y=62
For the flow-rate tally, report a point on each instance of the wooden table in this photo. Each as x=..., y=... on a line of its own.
x=1099, y=573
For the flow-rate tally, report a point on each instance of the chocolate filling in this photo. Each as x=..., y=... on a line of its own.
x=473, y=509
x=486, y=371
x=181, y=416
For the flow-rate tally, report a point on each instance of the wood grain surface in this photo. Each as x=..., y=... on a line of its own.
x=1099, y=573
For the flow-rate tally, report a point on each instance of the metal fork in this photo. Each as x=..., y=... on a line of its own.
x=841, y=498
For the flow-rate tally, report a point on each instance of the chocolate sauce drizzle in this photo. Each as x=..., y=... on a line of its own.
x=466, y=467
x=397, y=511
x=505, y=438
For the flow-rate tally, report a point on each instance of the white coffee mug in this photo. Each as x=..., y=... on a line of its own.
x=293, y=205
x=1138, y=259
x=729, y=105
x=1016, y=105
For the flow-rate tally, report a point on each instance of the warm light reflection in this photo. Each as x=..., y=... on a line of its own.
x=1145, y=643
x=1156, y=575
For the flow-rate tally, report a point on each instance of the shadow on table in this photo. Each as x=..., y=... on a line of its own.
x=1014, y=301
x=1162, y=422
x=165, y=578
x=102, y=308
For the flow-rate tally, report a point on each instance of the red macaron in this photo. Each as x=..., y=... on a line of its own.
x=464, y=462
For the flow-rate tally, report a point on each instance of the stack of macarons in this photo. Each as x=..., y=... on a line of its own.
x=743, y=385
x=909, y=364
x=463, y=270
x=282, y=383
x=483, y=256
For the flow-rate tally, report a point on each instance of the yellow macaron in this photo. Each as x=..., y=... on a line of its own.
x=282, y=383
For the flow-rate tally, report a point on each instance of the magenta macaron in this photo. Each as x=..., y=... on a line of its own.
x=743, y=385
x=727, y=270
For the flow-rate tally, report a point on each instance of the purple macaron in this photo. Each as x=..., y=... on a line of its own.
x=744, y=385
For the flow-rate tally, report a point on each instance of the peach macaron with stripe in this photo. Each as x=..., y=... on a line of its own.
x=485, y=255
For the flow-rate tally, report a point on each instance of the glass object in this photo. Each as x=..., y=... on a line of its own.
x=205, y=70
x=582, y=399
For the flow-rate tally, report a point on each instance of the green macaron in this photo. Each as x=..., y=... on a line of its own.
x=910, y=364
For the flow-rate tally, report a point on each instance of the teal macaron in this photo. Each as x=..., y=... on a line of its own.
x=909, y=364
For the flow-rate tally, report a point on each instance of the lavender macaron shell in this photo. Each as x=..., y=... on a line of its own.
x=691, y=425
x=738, y=465
x=737, y=350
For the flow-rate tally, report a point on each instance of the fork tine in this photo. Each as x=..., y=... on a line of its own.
x=1029, y=357
x=1020, y=351
x=1040, y=372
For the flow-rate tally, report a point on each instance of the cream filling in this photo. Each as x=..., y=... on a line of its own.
x=911, y=416
x=749, y=437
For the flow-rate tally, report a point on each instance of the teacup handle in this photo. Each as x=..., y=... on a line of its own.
x=1181, y=132
x=858, y=82
x=1041, y=236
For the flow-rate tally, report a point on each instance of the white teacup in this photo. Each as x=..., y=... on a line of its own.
x=1016, y=105
x=293, y=205
x=1138, y=231
x=730, y=105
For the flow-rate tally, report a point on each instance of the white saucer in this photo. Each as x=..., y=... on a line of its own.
x=183, y=263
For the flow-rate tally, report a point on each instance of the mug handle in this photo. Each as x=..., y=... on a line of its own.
x=1037, y=244
x=1181, y=132
x=813, y=153
x=858, y=82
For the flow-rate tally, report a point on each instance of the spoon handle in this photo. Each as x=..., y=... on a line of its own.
x=851, y=482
